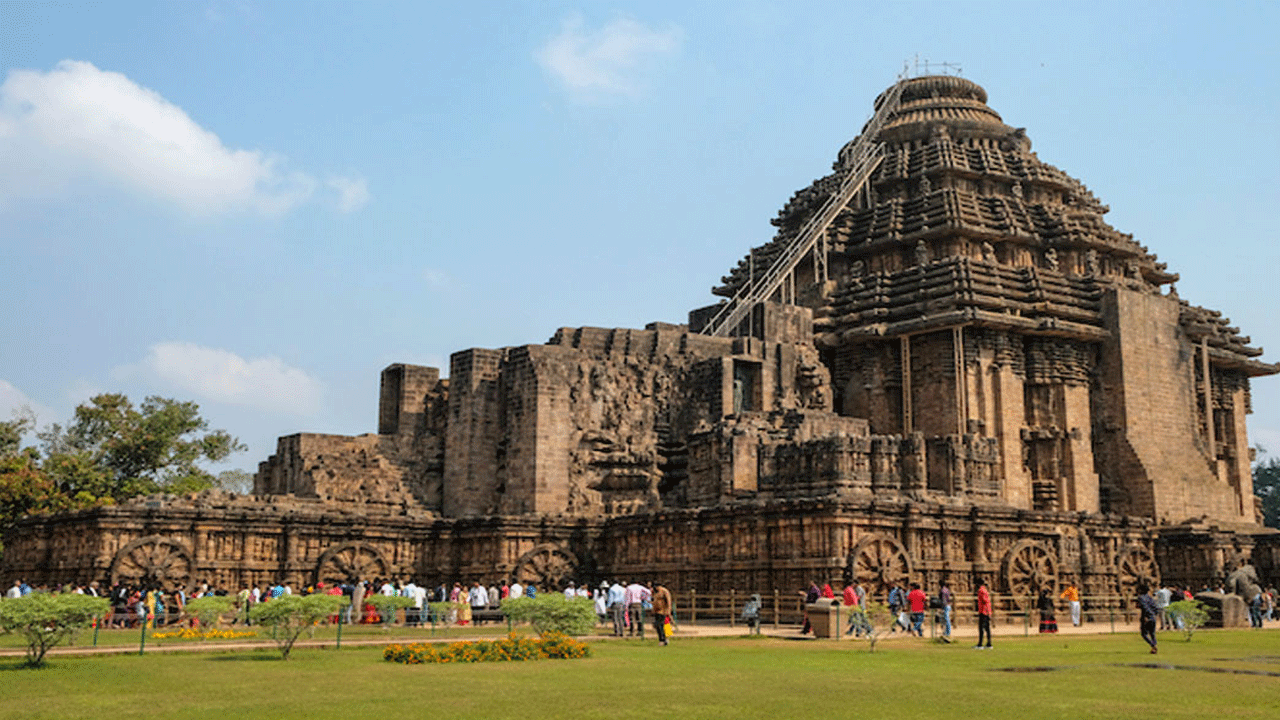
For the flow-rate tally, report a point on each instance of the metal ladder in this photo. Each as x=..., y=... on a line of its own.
x=866, y=155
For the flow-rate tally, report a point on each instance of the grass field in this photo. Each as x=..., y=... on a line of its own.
x=1234, y=674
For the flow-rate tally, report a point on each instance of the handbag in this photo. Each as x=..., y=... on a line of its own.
x=666, y=626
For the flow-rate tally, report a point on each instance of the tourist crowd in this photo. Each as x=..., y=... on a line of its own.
x=627, y=605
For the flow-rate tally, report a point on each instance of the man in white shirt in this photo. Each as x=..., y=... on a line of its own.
x=14, y=592
x=617, y=606
x=479, y=599
x=569, y=592
x=410, y=590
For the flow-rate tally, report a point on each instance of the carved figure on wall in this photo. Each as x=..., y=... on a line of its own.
x=857, y=269
x=351, y=561
x=1029, y=567
x=1051, y=259
x=879, y=562
x=1135, y=565
x=988, y=252
x=922, y=252
x=546, y=566
x=1091, y=262
x=152, y=560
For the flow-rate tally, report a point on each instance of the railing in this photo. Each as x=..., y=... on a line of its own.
x=865, y=156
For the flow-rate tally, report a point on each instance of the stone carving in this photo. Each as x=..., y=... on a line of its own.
x=879, y=562
x=153, y=560
x=1091, y=262
x=546, y=566
x=1029, y=567
x=1135, y=566
x=1243, y=581
x=352, y=561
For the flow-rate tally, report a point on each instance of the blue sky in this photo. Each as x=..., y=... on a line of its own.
x=258, y=206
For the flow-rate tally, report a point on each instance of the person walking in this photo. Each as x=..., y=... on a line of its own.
x=917, y=601
x=662, y=609
x=1149, y=612
x=1072, y=596
x=944, y=599
x=1048, y=620
x=810, y=597
x=984, y=615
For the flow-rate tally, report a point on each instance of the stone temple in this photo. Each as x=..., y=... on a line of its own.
x=945, y=363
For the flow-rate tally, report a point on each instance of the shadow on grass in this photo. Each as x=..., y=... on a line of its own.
x=1143, y=666
x=247, y=657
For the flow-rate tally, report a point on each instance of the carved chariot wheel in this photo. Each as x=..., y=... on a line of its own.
x=351, y=561
x=879, y=562
x=1030, y=567
x=1135, y=565
x=546, y=566
x=153, y=560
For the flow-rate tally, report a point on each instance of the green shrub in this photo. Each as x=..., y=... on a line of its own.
x=553, y=613
x=290, y=615
x=387, y=605
x=209, y=609
x=1191, y=614
x=46, y=620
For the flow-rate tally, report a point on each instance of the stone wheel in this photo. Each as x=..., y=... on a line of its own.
x=1029, y=568
x=879, y=562
x=351, y=561
x=153, y=560
x=1135, y=565
x=546, y=566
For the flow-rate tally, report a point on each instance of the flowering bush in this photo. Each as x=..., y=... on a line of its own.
x=211, y=634
x=511, y=648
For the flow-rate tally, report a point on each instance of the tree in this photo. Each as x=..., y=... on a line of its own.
x=553, y=613
x=113, y=451
x=1188, y=616
x=11, y=431
x=236, y=481
x=209, y=609
x=876, y=621
x=25, y=488
x=290, y=615
x=1266, y=486
x=46, y=620
x=387, y=605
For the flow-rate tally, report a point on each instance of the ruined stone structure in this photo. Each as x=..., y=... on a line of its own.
x=945, y=363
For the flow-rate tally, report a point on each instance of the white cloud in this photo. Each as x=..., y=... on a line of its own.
x=265, y=383
x=611, y=60
x=14, y=402
x=76, y=122
x=353, y=192
x=437, y=279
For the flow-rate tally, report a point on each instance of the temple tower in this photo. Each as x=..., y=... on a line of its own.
x=972, y=293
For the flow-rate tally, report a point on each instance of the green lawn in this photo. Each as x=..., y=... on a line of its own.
x=725, y=679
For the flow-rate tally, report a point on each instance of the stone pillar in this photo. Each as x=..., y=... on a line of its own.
x=1080, y=491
